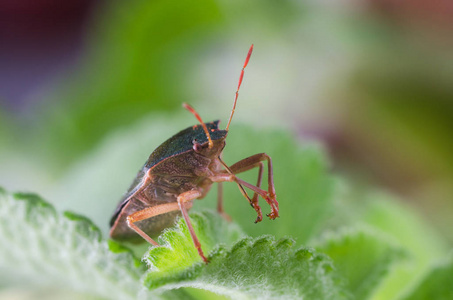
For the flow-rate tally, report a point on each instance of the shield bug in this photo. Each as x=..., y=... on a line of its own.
x=181, y=170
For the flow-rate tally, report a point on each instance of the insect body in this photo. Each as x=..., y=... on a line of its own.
x=181, y=170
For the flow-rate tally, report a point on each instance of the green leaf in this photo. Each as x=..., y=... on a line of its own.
x=256, y=268
x=437, y=284
x=363, y=256
x=179, y=252
x=42, y=247
x=401, y=222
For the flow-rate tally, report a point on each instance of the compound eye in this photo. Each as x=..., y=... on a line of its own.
x=196, y=146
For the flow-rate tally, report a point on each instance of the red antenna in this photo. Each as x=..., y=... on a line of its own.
x=239, y=85
x=193, y=111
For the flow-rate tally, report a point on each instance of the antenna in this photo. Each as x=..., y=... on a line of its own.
x=239, y=85
x=192, y=110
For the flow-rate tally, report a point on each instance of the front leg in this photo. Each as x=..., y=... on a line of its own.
x=253, y=162
x=245, y=165
x=257, y=161
x=221, y=177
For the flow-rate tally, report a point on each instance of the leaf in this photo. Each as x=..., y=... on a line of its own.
x=179, y=252
x=401, y=223
x=42, y=247
x=437, y=284
x=421, y=242
x=363, y=256
x=251, y=268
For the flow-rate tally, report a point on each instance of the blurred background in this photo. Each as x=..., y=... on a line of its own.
x=371, y=80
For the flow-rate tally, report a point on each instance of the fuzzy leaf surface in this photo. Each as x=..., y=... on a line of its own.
x=44, y=248
x=262, y=267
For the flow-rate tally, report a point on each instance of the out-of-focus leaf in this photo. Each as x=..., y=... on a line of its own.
x=400, y=222
x=437, y=284
x=362, y=256
x=399, y=113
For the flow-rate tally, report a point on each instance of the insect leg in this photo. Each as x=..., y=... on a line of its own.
x=253, y=162
x=147, y=213
x=220, y=209
x=260, y=176
x=258, y=185
x=250, y=163
x=224, y=176
x=182, y=200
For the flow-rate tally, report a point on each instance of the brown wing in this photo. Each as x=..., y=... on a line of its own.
x=136, y=184
x=158, y=191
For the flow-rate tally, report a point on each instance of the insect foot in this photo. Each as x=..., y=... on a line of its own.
x=200, y=252
x=259, y=218
x=257, y=208
x=273, y=203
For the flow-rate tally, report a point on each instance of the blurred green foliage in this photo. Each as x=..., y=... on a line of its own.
x=436, y=284
x=41, y=247
x=411, y=99
x=133, y=66
x=98, y=125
